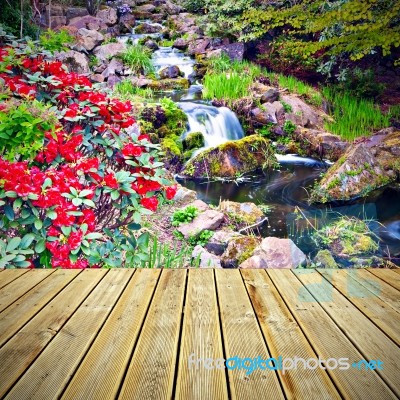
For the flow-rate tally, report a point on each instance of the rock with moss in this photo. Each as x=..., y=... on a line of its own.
x=363, y=168
x=169, y=84
x=324, y=259
x=193, y=140
x=239, y=249
x=242, y=214
x=232, y=159
x=347, y=238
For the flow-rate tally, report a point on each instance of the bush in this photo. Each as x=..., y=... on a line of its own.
x=90, y=181
x=56, y=41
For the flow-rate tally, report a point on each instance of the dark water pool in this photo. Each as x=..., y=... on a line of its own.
x=286, y=190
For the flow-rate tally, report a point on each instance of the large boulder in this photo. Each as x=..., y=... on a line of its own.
x=75, y=61
x=270, y=96
x=88, y=22
x=207, y=220
x=75, y=12
x=170, y=72
x=108, y=16
x=148, y=28
x=89, y=38
x=171, y=8
x=55, y=21
x=234, y=51
x=180, y=44
x=198, y=46
x=126, y=22
x=115, y=67
x=231, y=159
x=275, y=253
x=268, y=113
x=302, y=114
x=107, y=51
x=364, y=167
x=322, y=144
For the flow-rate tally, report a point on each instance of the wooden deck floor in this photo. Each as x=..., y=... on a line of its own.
x=128, y=334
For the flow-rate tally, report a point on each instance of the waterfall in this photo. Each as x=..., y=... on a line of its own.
x=218, y=125
x=168, y=56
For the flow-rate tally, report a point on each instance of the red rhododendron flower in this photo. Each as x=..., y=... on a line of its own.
x=170, y=192
x=75, y=239
x=111, y=181
x=151, y=203
x=131, y=150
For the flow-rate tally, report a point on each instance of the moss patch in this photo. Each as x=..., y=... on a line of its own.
x=232, y=159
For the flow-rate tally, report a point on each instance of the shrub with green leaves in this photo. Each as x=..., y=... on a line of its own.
x=22, y=127
x=185, y=215
x=56, y=41
x=201, y=239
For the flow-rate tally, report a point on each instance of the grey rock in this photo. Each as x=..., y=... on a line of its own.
x=207, y=220
x=89, y=38
x=180, y=44
x=151, y=44
x=170, y=72
x=302, y=114
x=108, y=16
x=88, y=22
x=75, y=61
x=113, y=80
x=74, y=12
x=107, y=51
x=207, y=260
x=56, y=21
x=270, y=96
x=115, y=67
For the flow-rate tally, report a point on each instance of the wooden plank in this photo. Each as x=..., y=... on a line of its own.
x=101, y=372
x=10, y=275
x=51, y=371
x=377, y=287
x=387, y=275
x=243, y=338
x=22, y=310
x=21, y=350
x=151, y=371
x=396, y=270
x=368, y=339
x=201, y=337
x=285, y=338
x=328, y=340
x=374, y=308
x=19, y=287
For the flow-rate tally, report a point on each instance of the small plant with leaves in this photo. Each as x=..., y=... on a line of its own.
x=202, y=239
x=289, y=127
x=138, y=59
x=183, y=216
x=56, y=41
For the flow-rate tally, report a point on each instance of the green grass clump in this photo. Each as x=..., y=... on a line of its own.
x=138, y=59
x=125, y=90
x=56, y=41
x=353, y=117
x=227, y=86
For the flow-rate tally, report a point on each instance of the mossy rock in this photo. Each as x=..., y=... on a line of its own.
x=347, y=237
x=239, y=249
x=169, y=84
x=324, y=259
x=193, y=140
x=242, y=214
x=232, y=159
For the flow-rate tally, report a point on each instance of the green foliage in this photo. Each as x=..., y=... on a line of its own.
x=289, y=127
x=202, y=239
x=138, y=59
x=22, y=128
x=353, y=117
x=354, y=27
x=56, y=41
x=185, y=215
x=193, y=5
x=225, y=86
x=126, y=90
x=360, y=83
x=287, y=107
x=15, y=251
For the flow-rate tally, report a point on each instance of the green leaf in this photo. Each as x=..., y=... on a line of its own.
x=93, y=235
x=47, y=183
x=11, y=194
x=13, y=244
x=9, y=212
x=85, y=192
x=40, y=246
x=4, y=260
x=17, y=204
x=115, y=194
x=51, y=214
x=77, y=201
x=27, y=240
x=38, y=224
x=66, y=230
x=89, y=203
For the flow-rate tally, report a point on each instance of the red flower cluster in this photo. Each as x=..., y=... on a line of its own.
x=70, y=180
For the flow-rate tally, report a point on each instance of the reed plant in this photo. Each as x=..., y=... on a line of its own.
x=353, y=117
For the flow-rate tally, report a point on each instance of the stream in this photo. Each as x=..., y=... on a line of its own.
x=285, y=190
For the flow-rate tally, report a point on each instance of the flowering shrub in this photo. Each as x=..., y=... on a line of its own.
x=90, y=179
